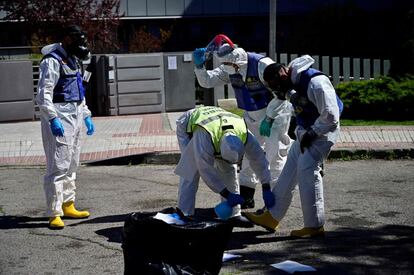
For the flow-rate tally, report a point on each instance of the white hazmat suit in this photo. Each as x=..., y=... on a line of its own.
x=303, y=169
x=62, y=152
x=198, y=159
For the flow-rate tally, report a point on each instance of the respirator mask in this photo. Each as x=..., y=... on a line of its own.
x=79, y=45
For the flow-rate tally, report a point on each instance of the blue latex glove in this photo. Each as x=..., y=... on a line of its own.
x=89, y=126
x=266, y=127
x=268, y=197
x=199, y=55
x=232, y=199
x=56, y=127
x=223, y=210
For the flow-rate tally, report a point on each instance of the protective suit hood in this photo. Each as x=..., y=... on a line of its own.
x=237, y=56
x=231, y=148
x=50, y=48
x=298, y=65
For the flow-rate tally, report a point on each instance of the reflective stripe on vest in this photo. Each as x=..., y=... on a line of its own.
x=69, y=87
x=251, y=95
x=217, y=122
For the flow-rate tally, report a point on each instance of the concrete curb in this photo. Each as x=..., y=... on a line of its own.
x=340, y=154
x=147, y=158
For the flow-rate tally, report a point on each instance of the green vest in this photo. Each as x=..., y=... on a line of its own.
x=217, y=122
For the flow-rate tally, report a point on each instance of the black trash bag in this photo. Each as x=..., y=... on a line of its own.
x=151, y=246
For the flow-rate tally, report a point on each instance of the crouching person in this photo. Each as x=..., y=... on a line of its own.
x=212, y=143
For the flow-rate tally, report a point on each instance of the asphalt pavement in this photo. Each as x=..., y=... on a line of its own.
x=369, y=213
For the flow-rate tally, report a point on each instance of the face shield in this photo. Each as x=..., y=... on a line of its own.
x=221, y=45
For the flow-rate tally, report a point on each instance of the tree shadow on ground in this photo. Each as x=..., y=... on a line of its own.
x=386, y=249
x=383, y=250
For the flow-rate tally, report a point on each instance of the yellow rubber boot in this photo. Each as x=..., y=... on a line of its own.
x=308, y=232
x=70, y=211
x=265, y=220
x=56, y=223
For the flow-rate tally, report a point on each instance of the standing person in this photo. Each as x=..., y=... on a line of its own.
x=212, y=142
x=61, y=98
x=266, y=117
x=317, y=109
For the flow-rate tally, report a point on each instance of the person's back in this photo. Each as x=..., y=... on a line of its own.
x=212, y=141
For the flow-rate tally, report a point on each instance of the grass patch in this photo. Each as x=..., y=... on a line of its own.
x=236, y=111
x=350, y=122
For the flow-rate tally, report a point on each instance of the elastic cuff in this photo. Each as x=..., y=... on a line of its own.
x=269, y=119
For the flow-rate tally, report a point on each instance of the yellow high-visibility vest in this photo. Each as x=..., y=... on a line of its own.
x=217, y=122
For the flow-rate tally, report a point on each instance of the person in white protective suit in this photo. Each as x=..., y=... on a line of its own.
x=61, y=99
x=267, y=117
x=317, y=109
x=212, y=142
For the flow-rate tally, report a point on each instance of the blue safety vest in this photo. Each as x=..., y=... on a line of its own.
x=251, y=95
x=69, y=87
x=306, y=111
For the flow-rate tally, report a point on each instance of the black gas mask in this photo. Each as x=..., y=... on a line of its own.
x=275, y=83
x=280, y=88
x=79, y=45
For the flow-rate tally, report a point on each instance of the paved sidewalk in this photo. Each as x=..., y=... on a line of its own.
x=120, y=136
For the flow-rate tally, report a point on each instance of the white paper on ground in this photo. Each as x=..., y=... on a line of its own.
x=169, y=218
x=292, y=266
x=228, y=257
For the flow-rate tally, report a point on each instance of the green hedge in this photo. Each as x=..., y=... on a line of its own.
x=384, y=98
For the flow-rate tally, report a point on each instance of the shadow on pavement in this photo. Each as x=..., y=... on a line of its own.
x=17, y=222
x=103, y=219
x=387, y=249
x=114, y=234
x=242, y=239
x=383, y=250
